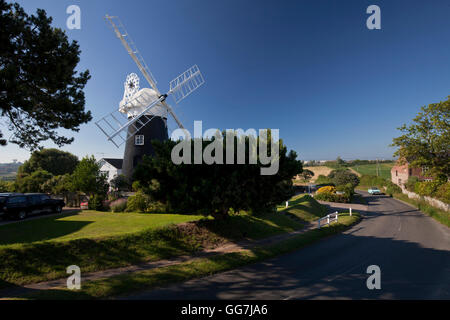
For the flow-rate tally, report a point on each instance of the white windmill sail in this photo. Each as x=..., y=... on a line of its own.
x=138, y=110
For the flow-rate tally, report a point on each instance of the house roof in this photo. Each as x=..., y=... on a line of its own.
x=116, y=163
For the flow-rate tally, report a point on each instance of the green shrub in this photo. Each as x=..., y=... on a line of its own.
x=411, y=183
x=443, y=192
x=332, y=197
x=156, y=207
x=392, y=188
x=138, y=203
x=427, y=188
x=96, y=202
x=343, y=176
x=348, y=189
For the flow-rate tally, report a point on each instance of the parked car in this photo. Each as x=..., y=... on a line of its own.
x=374, y=190
x=20, y=206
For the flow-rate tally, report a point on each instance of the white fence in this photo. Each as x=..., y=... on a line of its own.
x=328, y=218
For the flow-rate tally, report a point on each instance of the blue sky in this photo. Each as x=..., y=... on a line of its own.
x=309, y=68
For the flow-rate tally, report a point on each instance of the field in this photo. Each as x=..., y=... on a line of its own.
x=371, y=169
x=85, y=224
x=41, y=249
x=318, y=170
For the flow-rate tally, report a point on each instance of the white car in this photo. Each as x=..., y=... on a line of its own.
x=374, y=190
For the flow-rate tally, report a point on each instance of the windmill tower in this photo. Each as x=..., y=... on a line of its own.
x=142, y=113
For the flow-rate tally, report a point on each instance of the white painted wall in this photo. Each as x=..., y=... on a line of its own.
x=110, y=171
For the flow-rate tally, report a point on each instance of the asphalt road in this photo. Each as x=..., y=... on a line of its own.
x=411, y=249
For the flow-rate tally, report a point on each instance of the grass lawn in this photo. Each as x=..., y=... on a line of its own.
x=41, y=249
x=304, y=208
x=371, y=169
x=85, y=224
x=148, y=279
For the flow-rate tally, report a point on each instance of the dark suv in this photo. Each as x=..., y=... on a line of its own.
x=19, y=205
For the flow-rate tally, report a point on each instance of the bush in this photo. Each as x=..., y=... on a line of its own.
x=443, y=192
x=348, y=189
x=118, y=205
x=327, y=189
x=332, y=197
x=411, y=183
x=138, y=203
x=156, y=207
x=96, y=202
x=392, y=188
x=343, y=177
x=427, y=188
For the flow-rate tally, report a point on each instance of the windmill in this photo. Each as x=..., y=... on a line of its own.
x=142, y=113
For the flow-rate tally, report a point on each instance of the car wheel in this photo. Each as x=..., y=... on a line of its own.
x=22, y=215
x=58, y=209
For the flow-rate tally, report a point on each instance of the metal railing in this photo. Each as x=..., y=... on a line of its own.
x=328, y=218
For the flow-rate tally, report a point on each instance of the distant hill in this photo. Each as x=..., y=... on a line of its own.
x=8, y=171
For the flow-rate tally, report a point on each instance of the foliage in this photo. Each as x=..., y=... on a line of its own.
x=306, y=175
x=327, y=189
x=87, y=177
x=411, y=183
x=96, y=202
x=332, y=197
x=58, y=185
x=426, y=142
x=6, y=186
x=55, y=161
x=138, y=203
x=118, y=205
x=392, y=188
x=41, y=90
x=120, y=183
x=427, y=188
x=348, y=189
x=34, y=182
x=321, y=179
x=216, y=188
x=343, y=177
x=443, y=192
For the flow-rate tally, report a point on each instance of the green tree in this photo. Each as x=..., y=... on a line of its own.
x=32, y=182
x=40, y=89
x=306, y=174
x=216, y=188
x=426, y=142
x=342, y=177
x=88, y=178
x=120, y=183
x=55, y=161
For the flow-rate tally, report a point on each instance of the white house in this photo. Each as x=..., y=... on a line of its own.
x=111, y=167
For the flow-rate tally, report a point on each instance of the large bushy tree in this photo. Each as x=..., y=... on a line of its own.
x=426, y=142
x=40, y=91
x=55, y=161
x=342, y=177
x=216, y=188
x=88, y=178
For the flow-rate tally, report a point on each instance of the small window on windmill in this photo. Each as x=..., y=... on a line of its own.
x=139, y=140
